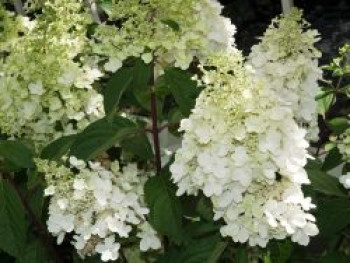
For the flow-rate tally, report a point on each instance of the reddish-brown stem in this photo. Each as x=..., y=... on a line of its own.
x=44, y=236
x=155, y=132
x=155, y=129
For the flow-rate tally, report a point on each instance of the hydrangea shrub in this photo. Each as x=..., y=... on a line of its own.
x=92, y=94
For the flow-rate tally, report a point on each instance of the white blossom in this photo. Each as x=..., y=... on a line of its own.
x=287, y=61
x=97, y=204
x=243, y=149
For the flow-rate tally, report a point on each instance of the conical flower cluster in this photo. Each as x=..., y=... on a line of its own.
x=244, y=150
x=287, y=60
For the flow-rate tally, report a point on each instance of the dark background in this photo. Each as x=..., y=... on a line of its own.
x=330, y=17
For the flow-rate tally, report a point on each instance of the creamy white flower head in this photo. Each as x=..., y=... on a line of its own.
x=46, y=80
x=286, y=59
x=95, y=204
x=243, y=149
x=172, y=32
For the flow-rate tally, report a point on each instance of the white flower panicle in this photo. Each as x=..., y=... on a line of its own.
x=46, y=74
x=287, y=60
x=98, y=205
x=245, y=151
x=172, y=31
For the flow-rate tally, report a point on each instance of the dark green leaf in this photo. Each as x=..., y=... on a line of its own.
x=203, y=250
x=205, y=208
x=206, y=250
x=139, y=145
x=102, y=135
x=165, y=207
x=280, y=251
x=173, y=255
x=17, y=153
x=36, y=200
x=324, y=183
x=333, y=159
x=217, y=252
x=34, y=252
x=200, y=229
x=333, y=215
x=58, y=148
x=13, y=226
x=115, y=88
x=140, y=83
x=183, y=88
x=241, y=255
x=335, y=257
x=339, y=125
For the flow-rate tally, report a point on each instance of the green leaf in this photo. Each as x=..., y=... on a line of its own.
x=36, y=199
x=324, y=94
x=324, y=183
x=165, y=208
x=34, y=252
x=333, y=215
x=266, y=258
x=335, y=257
x=133, y=255
x=205, y=208
x=140, y=83
x=13, y=226
x=280, y=251
x=102, y=135
x=217, y=252
x=115, y=88
x=172, y=24
x=324, y=104
x=139, y=145
x=58, y=148
x=199, y=229
x=206, y=250
x=183, y=88
x=142, y=90
x=339, y=125
x=333, y=159
x=241, y=255
x=17, y=153
x=106, y=6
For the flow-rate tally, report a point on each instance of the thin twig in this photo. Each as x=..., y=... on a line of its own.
x=18, y=7
x=44, y=236
x=155, y=129
x=94, y=11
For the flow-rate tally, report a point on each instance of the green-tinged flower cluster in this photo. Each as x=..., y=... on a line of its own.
x=243, y=149
x=287, y=60
x=99, y=204
x=10, y=25
x=172, y=31
x=343, y=144
x=46, y=75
